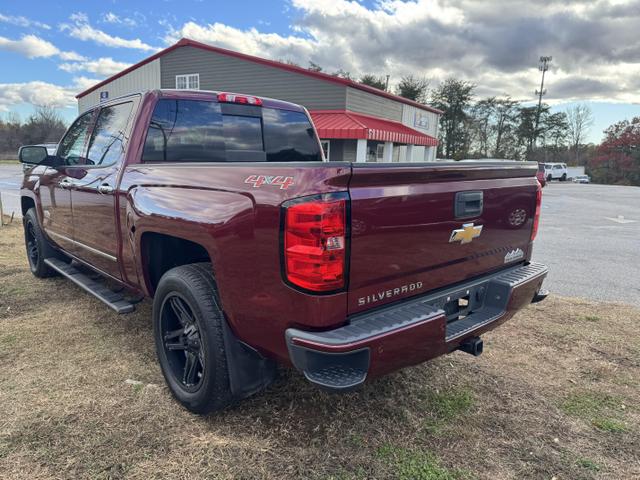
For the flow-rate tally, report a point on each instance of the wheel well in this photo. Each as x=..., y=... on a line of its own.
x=26, y=203
x=160, y=253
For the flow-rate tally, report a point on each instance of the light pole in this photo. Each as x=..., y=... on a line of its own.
x=543, y=67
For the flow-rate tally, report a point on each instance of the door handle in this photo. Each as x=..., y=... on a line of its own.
x=65, y=183
x=105, y=189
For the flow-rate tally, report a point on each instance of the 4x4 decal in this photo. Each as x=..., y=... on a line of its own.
x=278, y=180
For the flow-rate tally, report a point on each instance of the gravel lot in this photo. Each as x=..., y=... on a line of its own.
x=592, y=252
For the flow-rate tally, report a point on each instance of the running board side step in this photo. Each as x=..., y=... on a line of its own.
x=114, y=300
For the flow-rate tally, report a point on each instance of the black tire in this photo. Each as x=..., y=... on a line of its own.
x=188, y=330
x=564, y=177
x=38, y=247
x=549, y=178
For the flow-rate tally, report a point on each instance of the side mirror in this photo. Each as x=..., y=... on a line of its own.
x=32, y=154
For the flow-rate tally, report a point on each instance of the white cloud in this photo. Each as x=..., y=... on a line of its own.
x=81, y=29
x=105, y=66
x=80, y=84
x=111, y=17
x=35, y=93
x=21, y=21
x=42, y=93
x=71, y=56
x=32, y=46
x=494, y=44
x=247, y=41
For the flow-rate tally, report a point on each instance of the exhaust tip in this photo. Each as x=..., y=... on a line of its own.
x=473, y=346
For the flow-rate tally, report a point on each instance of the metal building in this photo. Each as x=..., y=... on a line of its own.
x=355, y=122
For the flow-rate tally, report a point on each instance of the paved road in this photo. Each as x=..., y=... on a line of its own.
x=10, y=180
x=591, y=251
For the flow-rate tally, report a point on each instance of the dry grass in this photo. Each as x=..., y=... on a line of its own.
x=555, y=395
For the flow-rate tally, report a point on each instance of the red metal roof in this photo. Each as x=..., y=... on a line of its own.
x=347, y=124
x=283, y=66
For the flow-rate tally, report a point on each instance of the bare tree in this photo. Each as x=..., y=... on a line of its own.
x=45, y=125
x=342, y=74
x=480, y=123
x=314, y=67
x=580, y=120
x=506, y=112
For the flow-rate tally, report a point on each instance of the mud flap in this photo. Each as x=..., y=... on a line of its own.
x=249, y=371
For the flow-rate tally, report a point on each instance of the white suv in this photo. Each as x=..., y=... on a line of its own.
x=555, y=171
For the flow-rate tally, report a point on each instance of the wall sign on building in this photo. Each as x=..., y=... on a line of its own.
x=421, y=120
x=104, y=96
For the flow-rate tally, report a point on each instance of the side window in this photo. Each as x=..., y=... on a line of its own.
x=289, y=137
x=204, y=131
x=107, y=144
x=185, y=131
x=242, y=133
x=71, y=146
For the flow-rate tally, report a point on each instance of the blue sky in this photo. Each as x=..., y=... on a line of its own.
x=50, y=51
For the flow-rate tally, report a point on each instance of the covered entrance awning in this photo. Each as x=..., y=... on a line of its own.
x=346, y=124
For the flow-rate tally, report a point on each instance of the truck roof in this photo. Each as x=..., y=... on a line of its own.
x=205, y=95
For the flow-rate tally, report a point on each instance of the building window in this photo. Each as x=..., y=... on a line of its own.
x=380, y=152
x=326, y=148
x=190, y=81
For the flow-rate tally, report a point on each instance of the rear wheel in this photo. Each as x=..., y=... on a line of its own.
x=187, y=323
x=549, y=178
x=38, y=248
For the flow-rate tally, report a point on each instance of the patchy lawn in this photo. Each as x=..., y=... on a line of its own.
x=556, y=394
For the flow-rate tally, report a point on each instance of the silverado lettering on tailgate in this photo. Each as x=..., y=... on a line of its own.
x=377, y=296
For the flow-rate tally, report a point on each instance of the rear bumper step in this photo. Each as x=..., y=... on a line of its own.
x=413, y=331
x=114, y=300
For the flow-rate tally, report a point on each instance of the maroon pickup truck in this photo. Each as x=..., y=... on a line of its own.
x=257, y=252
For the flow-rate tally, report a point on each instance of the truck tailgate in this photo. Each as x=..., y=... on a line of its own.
x=403, y=221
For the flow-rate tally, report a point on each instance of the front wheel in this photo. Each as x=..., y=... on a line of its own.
x=188, y=330
x=564, y=177
x=549, y=178
x=38, y=248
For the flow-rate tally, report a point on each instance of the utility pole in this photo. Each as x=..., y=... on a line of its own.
x=543, y=67
x=386, y=85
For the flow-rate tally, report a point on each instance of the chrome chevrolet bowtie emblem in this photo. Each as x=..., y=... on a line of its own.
x=465, y=234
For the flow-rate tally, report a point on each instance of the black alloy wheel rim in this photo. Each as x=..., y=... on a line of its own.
x=182, y=342
x=32, y=245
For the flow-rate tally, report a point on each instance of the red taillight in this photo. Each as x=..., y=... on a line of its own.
x=315, y=243
x=244, y=99
x=536, y=218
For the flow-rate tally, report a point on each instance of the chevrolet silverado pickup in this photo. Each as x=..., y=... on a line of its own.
x=256, y=251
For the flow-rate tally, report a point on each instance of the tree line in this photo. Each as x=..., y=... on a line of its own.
x=44, y=126
x=492, y=127
x=500, y=127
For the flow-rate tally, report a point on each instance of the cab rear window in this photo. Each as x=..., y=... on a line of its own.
x=203, y=131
